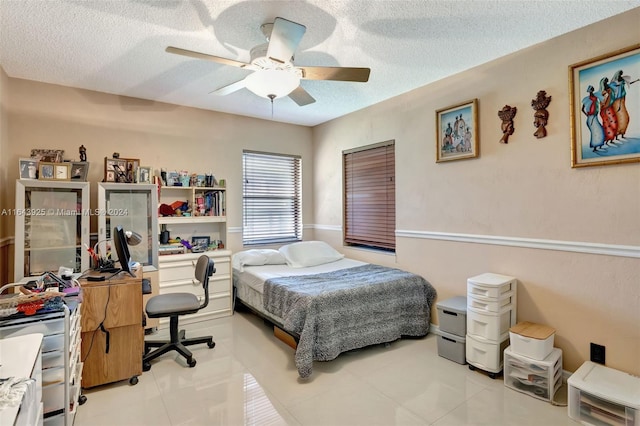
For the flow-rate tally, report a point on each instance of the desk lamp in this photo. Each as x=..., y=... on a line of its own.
x=107, y=265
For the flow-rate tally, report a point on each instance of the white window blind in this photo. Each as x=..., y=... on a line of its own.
x=272, y=198
x=370, y=196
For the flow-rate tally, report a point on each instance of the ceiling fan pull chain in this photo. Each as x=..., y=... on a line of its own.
x=272, y=97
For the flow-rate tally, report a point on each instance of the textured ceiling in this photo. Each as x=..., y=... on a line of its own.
x=119, y=46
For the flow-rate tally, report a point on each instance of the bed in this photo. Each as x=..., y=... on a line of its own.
x=329, y=303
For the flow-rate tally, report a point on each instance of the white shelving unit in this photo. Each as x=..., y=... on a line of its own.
x=61, y=362
x=540, y=379
x=51, y=227
x=177, y=271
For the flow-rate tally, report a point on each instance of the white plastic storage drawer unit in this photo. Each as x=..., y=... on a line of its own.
x=452, y=315
x=491, y=285
x=452, y=347
x=538, y=378
x=489, y=325
x=491, y=304
x=600, y=395
x=485, y=354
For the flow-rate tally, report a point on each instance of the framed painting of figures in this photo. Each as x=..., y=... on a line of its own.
x=457, y=132
x=605, y=109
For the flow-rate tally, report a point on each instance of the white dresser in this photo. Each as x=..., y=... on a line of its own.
x=491, y=311
x=21, y=359
x=177, y=274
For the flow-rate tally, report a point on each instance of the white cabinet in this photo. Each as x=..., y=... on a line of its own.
x=51, y=227
x=61, y=363
x=600, y=395
x=538, y=378
x=133, y=206
x=177, y=275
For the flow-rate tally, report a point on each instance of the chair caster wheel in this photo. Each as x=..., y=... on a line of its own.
x=146, y=366
x=191, y=362
x=211, y=345
x=82, y=399
x=472, y=368
x=133, y=380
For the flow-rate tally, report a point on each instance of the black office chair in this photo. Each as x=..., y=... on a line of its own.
x=173, y=305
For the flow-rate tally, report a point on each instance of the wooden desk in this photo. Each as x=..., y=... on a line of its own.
x=116, y=304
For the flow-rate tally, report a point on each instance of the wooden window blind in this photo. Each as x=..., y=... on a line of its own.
x=370, y=196
x=271, y=198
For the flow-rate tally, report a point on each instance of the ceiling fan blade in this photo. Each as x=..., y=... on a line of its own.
x=284, y=39
x=198, y=55
x=335, y=73
x=301, y=96
x=230, y=88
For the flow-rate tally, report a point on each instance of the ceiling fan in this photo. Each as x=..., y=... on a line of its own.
x=274, y=74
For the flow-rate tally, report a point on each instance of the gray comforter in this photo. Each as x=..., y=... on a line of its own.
x=347, y=309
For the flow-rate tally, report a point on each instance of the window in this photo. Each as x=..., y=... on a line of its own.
x=370, y=196
x=271, y=198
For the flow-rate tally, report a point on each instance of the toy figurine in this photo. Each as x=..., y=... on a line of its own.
x=83, y=153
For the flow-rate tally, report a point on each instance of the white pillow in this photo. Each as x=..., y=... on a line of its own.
x=257, y=257
x=309, y=253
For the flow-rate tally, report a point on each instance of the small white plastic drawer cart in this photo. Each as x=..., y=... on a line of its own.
x=600, y=395
x=538, y=378
x=491, y=311
x=61, y=363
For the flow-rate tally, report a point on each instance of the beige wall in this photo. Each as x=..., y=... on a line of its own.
x=491, y=214
x=4, y=180
x=160, y=135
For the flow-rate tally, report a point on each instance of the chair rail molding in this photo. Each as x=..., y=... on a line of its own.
x=536, y=243
x=542, y=244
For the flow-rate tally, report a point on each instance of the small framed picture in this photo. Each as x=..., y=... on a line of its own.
x=199, y=244
x=62, y=171
x=47, y=155
x=79, y=171
x=144, y=174
x=28, y=168
x=457, y=132
x=115, y=170
x=131, y=168
x=46, y=171
x=173, y=178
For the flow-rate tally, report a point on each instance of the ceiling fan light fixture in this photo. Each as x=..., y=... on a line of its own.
x=272, y=83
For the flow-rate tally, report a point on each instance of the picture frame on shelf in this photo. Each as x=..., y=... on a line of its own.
x=144, y=174
x=603, y=129
x=115, y=170
x=46, y=170
x=173, y=178
x=200, y=244
x=457, y=135
x=131, y=168
x=28, y=168
x=79, y=171
x=47, y=155
x=62, y=171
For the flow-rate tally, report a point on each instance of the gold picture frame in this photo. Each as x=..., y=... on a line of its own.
x=604, y=108
x=457, y=135
x=54, y=171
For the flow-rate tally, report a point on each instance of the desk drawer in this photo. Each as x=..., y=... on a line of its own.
x=53, y=397
x=53, y=343
x=52, y=359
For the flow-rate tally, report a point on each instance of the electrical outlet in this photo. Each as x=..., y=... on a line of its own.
x=597, y=353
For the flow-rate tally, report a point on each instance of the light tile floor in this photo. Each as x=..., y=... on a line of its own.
x=249, y=378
